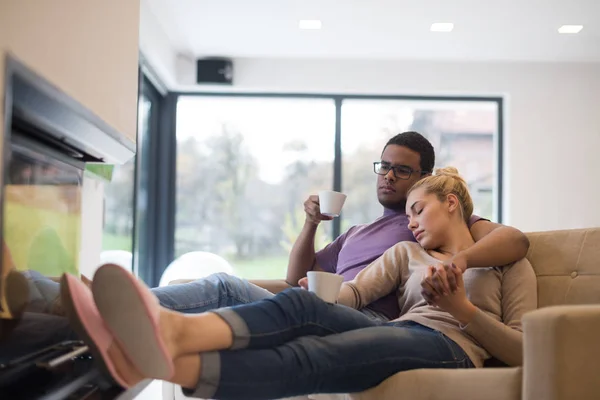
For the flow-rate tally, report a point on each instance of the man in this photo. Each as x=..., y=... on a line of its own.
x=405, y=159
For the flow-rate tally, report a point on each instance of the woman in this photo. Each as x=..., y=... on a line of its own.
x=294, y=343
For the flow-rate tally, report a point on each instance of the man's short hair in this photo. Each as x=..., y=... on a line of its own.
x=418, y=143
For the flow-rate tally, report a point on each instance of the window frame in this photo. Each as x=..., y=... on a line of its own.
x=150, y=240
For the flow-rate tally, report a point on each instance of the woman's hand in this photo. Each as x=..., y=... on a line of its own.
x=442, y=281
x=303, y=283
x=455, y=303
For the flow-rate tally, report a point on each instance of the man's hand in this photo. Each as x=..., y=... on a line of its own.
x=439, y=280
x=313, y=212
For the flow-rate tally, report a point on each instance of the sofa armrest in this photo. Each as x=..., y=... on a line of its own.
x=561, y=353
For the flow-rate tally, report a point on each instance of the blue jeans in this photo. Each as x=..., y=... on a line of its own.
x=218, y=291
x=206, y=294
x=295, y=344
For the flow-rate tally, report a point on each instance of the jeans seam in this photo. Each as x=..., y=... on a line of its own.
x=261, y=335
x=204, y=303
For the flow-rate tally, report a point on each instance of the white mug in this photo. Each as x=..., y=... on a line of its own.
x=325, y=285
x=331, y=203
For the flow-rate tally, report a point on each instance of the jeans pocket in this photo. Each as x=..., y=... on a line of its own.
x=459, y=355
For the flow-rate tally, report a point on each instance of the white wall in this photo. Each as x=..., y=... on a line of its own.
x=155, y=45
x=552, y=121
x=92, y=225
x=87, y=49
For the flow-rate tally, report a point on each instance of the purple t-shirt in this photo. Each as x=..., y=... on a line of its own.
x=356, y=248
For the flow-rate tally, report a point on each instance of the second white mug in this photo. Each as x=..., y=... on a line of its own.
x=325, y=285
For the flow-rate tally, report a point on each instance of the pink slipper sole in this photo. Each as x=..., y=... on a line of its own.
x=131, y=313
x=86, y=321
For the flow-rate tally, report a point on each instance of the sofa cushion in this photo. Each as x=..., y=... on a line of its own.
x=567, y=265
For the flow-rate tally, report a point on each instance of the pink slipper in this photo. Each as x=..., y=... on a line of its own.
x=86, y=321
x=131, y=313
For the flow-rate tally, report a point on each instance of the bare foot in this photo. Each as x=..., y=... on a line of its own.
x=125, y=368
x=169, y=323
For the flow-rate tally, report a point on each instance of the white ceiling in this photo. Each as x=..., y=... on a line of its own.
x=484, y=30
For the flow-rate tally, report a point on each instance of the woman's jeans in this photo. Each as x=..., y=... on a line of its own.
x=294, y=343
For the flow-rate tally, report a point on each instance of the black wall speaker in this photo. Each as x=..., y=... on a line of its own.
x=214, y=70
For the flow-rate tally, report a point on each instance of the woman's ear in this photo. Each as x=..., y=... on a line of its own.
x=452, y=202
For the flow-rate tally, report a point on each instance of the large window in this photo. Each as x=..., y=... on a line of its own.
x=245, y=165
x=463, y=134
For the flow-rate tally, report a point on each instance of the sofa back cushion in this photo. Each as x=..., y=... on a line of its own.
x=567, y=265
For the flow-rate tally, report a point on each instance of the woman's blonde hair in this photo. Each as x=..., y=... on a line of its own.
x=447, y=181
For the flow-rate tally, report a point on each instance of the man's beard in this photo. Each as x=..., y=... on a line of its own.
x=399, y=205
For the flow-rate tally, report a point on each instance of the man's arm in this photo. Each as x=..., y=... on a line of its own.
x=302, y=259
x=495, y=245
x=302, y=256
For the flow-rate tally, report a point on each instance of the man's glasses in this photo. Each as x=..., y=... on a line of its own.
x=400, y=171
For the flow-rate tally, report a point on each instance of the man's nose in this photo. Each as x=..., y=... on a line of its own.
x=390, y=177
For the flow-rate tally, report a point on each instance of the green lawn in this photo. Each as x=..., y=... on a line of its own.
x=261, y=268
x=111, y=241
x=273, y=267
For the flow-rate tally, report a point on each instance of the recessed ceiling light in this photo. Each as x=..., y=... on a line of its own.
x=442, y=27
x=310, y=24
x=570, y=29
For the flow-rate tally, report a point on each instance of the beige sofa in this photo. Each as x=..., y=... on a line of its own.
x=561, y=339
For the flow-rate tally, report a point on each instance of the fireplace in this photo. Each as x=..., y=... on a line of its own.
x=50, y=139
